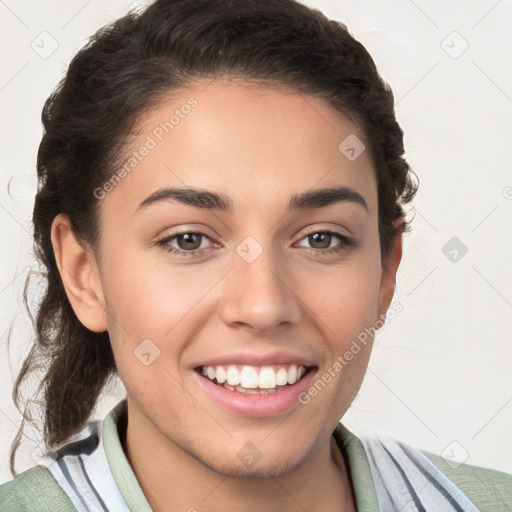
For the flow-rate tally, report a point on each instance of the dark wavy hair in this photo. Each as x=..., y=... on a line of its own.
x=124, y=70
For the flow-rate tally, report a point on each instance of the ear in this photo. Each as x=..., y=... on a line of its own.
x=80, y=275
x=389, y=270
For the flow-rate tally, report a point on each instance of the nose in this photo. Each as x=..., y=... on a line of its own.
x=260, y=295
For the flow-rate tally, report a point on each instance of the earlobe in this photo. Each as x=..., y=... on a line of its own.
x=389, y=270
x=80, y=276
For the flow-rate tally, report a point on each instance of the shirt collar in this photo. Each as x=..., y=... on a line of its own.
x=350, y=446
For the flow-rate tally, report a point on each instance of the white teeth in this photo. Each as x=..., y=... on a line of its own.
x=292, y=374
x=248, y=377
x=282, y=377
x=233, y=376
x=220, y=374
x=250, y=381
x=267, y=378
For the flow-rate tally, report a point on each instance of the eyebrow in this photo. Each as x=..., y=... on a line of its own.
x=208, y=200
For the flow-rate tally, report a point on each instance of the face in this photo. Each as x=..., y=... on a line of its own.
x=264, y=284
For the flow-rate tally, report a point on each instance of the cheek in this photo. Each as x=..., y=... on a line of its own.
x=344, y=303
x=150, y=298
x=343, y=297
x=154, y=302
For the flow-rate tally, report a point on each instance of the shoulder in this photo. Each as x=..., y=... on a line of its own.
x=34, y=490
x=79, y=476
x=402, y=472
x=488, y=489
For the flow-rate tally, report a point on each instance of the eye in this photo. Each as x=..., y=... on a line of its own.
x=321, y=241
x=189, y=243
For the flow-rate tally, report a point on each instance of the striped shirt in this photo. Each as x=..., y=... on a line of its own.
x=387, y=476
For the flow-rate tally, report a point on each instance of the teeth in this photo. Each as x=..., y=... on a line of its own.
x=248, y=377
x=292, y=374
x=267, y=378
x=254, y=391
x=233, y=376
x=248, y=380
x=282, y=377
x=220, y=374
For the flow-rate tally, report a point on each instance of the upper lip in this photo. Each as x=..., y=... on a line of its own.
x=256, y=359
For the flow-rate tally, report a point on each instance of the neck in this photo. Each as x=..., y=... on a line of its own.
x=164, y=470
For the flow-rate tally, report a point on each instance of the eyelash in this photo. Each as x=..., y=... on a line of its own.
x=346, y=243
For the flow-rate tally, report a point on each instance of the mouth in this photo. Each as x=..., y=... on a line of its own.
x=255, y=380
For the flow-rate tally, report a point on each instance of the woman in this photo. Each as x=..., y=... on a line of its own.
x=221, y=215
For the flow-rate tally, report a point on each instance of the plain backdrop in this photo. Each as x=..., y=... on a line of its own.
x=439, y=377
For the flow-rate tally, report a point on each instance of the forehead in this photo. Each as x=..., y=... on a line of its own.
x=254, y=144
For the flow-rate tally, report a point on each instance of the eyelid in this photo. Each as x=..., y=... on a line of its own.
x=165, y=240
x=337, y=230
x=346, y=242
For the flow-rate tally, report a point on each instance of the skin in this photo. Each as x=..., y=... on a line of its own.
x=259, y=146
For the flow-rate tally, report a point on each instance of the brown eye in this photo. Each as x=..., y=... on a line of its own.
x=189, y=241
x=320, y=242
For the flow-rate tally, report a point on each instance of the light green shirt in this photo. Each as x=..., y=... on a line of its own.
x=37, y=489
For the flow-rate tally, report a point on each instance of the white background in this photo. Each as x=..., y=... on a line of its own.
x=439, y=377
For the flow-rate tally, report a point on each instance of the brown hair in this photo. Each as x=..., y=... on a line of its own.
x=123, y=71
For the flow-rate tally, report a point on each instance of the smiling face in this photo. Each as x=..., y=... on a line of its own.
x=272, y=275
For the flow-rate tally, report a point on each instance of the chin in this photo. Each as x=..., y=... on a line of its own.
x=260, y=470
x=251, y=464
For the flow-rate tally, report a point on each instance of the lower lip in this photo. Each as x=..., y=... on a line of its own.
x=257, y=406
